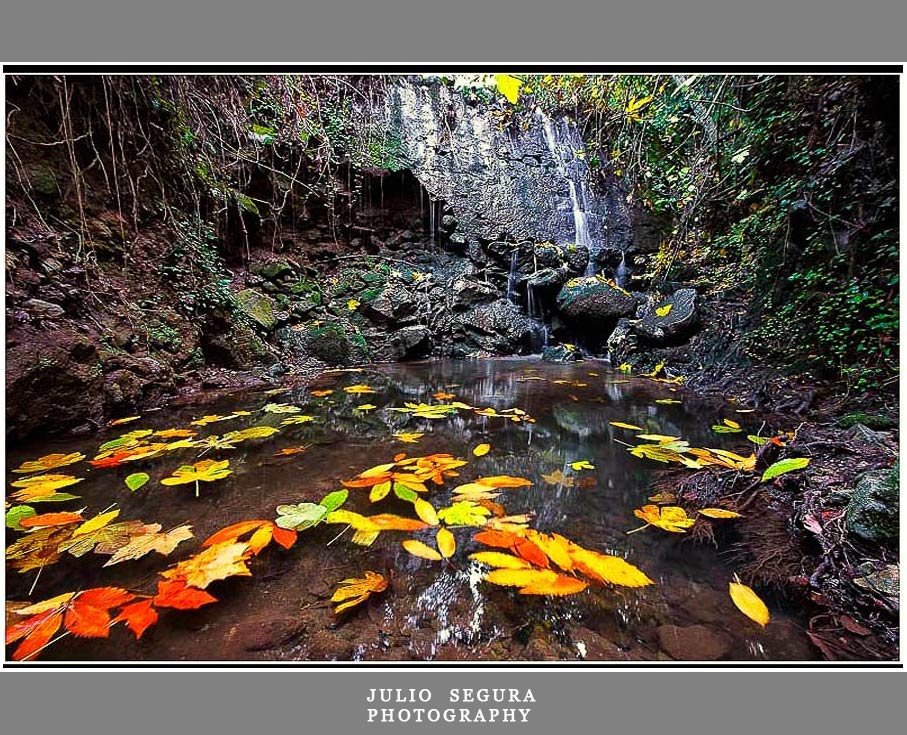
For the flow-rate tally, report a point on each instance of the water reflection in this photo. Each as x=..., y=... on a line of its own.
x=433, y=611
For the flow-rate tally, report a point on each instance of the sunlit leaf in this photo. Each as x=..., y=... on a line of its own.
x=509, y=86
x=46, y=520
x=481, y=450
x=442, y=396
x=98, y=522
x=464, y=513
x=321, y=393
x=503, y=481
x=663, y=310
x=409, y=437
x=207, y=470
x=668, y=401
x=667, y=517
x=125, y=420
x=425, y=511
x=42, y=488
x=332, y=501
x=227, y=559
x=784, y=466
x=138, y=616
x=175, y=434
x=178, y=594
x=582, y=465
x=359, y=389
x=749, y=603
x=365, y=407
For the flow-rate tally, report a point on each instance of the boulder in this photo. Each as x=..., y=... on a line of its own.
x=669, y=320
x=467, y=293
x=43, y=309
x=872, y=512
x=693, y=642
x=499, y=327
x=559, y=353
x=406, y=344
x=622, y=342
x=258, y=307
x=593, y=299
x=274, y=270
x=394, y=303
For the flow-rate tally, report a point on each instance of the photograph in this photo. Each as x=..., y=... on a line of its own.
x=485, y=365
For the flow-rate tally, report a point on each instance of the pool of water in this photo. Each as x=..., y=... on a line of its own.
x=431, y=610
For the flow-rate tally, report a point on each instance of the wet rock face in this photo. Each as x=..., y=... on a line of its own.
x=872, y=512
x=591, y=299
x=670, y=320
x=693, y=642
x=514, y=180
x=499, y=327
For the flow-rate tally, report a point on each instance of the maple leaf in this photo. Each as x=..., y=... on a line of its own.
x=408, y=437
x=161, y=542
x=262, y=533
x=355, y=591
x=37, y=549
x=43, y=488
x=280, y=408
x=138, y=616
x=207, y=470
x=88, y=614
x=46, y=520
x=213, y=418
x=49, y=462
x=37, y=631
x=294, y=420
x=290, y=451
x=667, y=517
x=106, y=539
x=226, y=559
x=178, y=594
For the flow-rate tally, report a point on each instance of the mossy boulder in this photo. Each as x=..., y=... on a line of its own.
x=258, y=307
x=872, y=513
x=275, y=270
x=594, y=299
x=334, y=343
x=668, y=320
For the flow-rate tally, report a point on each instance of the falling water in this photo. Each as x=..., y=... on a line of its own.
x=431, y=221
x=511, y=278
x=576, y=179
x=622, y=272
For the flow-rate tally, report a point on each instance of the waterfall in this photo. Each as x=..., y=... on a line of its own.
x=564, y=142
x=511, y=278
x=622, y=272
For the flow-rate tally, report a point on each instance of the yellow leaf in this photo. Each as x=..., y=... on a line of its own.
x=93, y=524
x=636, y=104
x=425, y=511
x=606, y=568
x=500, y=560
x=49, y=462
x=447, y=544
x=379, y=491
x=366, y=407
x=354, y=591
x=503, y=481
x=732, y=424
x=664, y=310
x=417, y=548
x=481, y=450
x=560, y=584
x=509, y=86
x=660, y=438
x=227, y=559
x=377, y=470
x=352, y=304
x=408, y=437
x=622, y=425
x=582, y=465
x=125, y=420
x=359, y=389
x=718, y=513
x=748, y=603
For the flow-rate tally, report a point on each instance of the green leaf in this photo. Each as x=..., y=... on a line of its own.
x=55, y=498
x=301, y=516
x=464, y=513
x=332, y=501
x=16, y=514
x=136, y=480
x=404, y=493
x=720, y=429
x=757, y=440
x=785, y=466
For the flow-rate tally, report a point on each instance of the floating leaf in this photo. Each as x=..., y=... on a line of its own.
x=464, y=513
x=176, y=593
x=668, y=517
x=352, y=592
x=757, y=440
x=723, y=429
x=301, y=516
x=447, y=544
x=125, y=420
x=481, y=450
x=18, y=513
x=175, y=434
x=207, y=470
x=409, y=437
x=503, y=481
x=253, y=432
x=732, y=424
x=606, y=568
x=442, y=396
x=49, y=462
x=47, y=520
x=359, y=389
x=43, y=488
x=749, y=603
x=96, y=523
x=668, y=401
x=500, y=560
x=718, y=513
x=366, y=407
x=622, y=425
x=163, y=543
x=785, y=466
x=558, y=478
x=557, y=586
x=280, y=408
x=663, y=498
x=227, y=559
x=332, y=501
x=664, y=310
x=425, y=511
x=321, y=393
x=582, y=465
x=417, y=548
x=138, y=616
x=137, y=480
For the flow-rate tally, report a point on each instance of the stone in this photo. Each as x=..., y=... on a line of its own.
x=593, y=299
x=44, y=309
x=406, y=343
x=467, y=293
x=499, y=327
x=559, y=353
x=274, y=270
x=394, y=303
x=872, y=512
x=622, y=343
x=258, y=307
x=693, y=642
x=678, y=323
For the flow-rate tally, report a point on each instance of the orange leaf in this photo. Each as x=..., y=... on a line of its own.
x=527, y=550
x=496, y=539
x=177, y=594
x=87, y=621
x=51, y=519
x=233, y=532
x=284, y=537
x=558, y=585
x=37, y=631
x=139, y=616
x=388, y=522
x=105, y=597
x=503, y=481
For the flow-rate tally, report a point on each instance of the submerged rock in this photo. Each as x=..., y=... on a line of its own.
x=590, y=298
x=693, y=642
x=669, y=320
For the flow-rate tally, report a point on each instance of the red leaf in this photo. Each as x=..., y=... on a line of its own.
x=51, y=519
x=284, y=537
x=138, y=616
x=38, y=632
x=105, y=597
x=527, y=550
x=233, y=532
x=174, y=593
x=496, y=539
x=87, y=621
